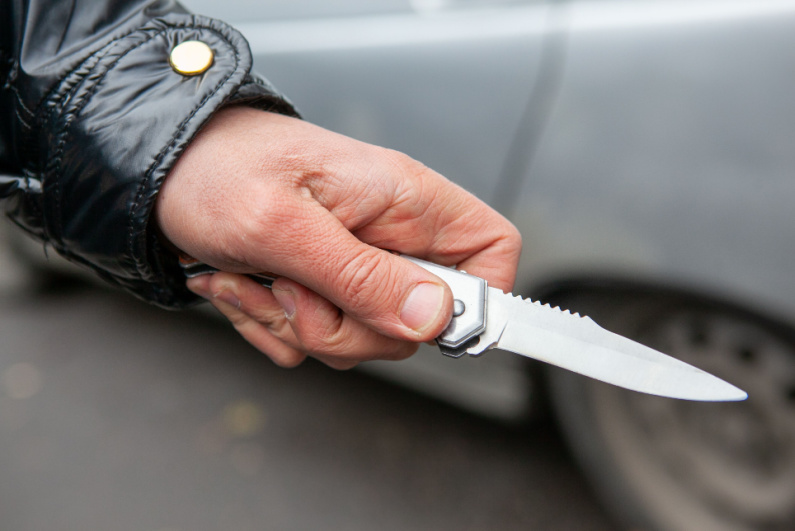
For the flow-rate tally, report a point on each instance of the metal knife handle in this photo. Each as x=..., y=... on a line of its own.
x=469, y=310
x=192, y=268
x=469, y=293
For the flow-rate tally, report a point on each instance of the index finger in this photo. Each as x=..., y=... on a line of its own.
x=402, y=205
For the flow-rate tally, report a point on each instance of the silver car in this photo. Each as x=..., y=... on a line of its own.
x=646, y=151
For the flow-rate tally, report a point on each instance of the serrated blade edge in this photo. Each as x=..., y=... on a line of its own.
x=578, y=344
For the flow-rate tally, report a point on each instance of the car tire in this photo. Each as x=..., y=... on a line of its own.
x=672, y=465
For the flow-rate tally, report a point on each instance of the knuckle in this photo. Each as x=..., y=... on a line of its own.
x=255, y=226
x=280, y=328
x=326, y=342
x=402, y=161
x=271, y=317
x=368, y=283
x=393, y=163
x=238, y=319
x=314, y=343
x=513, y=238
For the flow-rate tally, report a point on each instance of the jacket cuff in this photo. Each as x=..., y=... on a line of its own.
x=116, y=125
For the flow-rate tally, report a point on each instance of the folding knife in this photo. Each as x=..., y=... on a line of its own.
x=485, y=318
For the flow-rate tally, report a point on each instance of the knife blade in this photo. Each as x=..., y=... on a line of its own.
x=485, y=318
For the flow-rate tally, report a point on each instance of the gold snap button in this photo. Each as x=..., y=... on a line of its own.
x=191, y=58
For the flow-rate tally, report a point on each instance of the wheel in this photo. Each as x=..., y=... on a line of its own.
x=664, y=464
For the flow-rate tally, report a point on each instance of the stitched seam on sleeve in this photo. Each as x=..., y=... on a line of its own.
x=21, y=102
x=22, y=120
x=169, y=147
x=54, y=92
x=57, y=94
x=70, y=117
x=77, y=108
x=55, y=165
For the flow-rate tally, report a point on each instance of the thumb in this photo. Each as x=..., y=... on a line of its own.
x=397, y=297
x=386, y=292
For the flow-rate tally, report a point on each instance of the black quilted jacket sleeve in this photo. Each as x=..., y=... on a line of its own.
x=92, y=117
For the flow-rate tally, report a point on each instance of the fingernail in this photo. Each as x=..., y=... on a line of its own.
x=229, y=298
x=422, y=306
x=286, y=300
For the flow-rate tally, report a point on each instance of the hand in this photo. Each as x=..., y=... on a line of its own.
x=257, y=191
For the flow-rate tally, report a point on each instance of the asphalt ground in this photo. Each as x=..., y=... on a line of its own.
x=120, y=416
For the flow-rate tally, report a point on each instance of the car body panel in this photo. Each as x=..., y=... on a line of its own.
x=669, y=153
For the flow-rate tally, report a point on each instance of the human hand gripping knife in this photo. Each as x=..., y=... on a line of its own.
x=485, y=318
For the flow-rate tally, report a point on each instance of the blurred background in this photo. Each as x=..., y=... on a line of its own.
x=645, y=151
x=117, y=415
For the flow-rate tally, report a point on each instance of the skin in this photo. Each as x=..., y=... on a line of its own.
x=258, y=191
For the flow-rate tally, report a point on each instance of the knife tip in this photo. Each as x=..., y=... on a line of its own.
x=739, y=396
x=730, y=393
